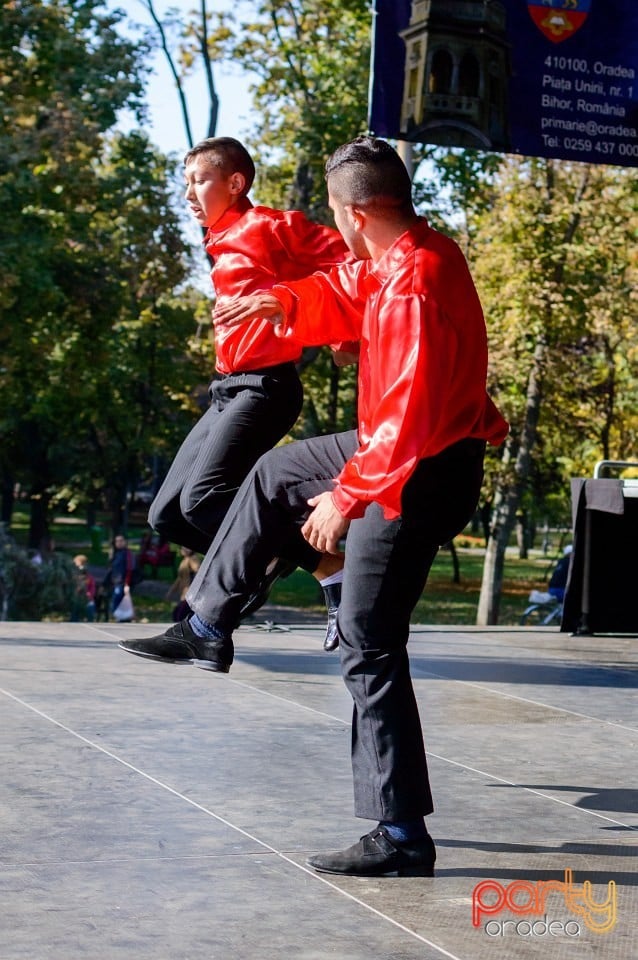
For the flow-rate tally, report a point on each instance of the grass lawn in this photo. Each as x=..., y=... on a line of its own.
x=443, y=601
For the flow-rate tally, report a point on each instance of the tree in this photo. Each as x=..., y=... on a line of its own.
x=90, y=254
x=552, y=257
x=311, y=58
x=140, y=396
x=195, y=50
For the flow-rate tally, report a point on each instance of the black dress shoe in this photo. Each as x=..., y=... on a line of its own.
x=180, y=645
x=332, y=594
x=376, y=855
x=280, y=568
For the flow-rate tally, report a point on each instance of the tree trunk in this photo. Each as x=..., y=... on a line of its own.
x=300, y=193
x=522, y=535
x=511, y=484
x=609, y=399
x=116, y=509
x=8, y=499
x=213, y=99
x=456, y=567
x=173, y=68
x=91, y=514
x=509, y=492
x=38, y=520
x=492, y=582
x=308, y=356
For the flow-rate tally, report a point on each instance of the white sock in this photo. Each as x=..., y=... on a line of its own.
x=333, y=578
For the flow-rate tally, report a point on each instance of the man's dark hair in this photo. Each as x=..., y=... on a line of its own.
x=226, y=153
x=367, y=172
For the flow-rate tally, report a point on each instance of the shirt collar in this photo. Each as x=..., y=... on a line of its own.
x=228, y=218
x=402, y=247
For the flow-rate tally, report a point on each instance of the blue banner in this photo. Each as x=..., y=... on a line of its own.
x=544, y=78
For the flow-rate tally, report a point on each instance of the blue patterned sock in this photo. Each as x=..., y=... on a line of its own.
x=404, y=831
x=207, y=631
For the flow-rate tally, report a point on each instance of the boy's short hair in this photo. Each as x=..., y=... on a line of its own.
x=367, y=172
x=226, y=153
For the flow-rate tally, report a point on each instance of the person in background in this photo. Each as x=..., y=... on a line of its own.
x=155, y=553
x=188, y=567
x=122, y=573
x=43, y=552
x=85, y=606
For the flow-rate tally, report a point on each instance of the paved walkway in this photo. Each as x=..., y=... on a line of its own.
x=159, y=812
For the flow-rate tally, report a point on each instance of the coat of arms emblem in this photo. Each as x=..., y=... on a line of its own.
x=559, y=20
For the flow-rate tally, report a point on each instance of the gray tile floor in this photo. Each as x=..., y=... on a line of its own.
x=159, y=811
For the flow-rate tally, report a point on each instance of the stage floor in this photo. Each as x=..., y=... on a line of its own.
x=160, y=812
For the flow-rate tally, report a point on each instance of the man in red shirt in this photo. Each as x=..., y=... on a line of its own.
x=257, y=395
x=405, y=482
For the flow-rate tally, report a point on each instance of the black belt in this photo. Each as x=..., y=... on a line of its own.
x=279, y=370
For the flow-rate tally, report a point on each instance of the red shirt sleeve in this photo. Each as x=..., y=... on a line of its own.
x=324, y=308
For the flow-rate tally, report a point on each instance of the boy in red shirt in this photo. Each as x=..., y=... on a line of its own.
x=257, y=395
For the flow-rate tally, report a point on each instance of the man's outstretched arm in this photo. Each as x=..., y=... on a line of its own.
x=321, y=309
x=234, y=310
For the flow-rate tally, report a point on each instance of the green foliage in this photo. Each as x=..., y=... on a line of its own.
x=30, y=591
x=330, y=397
x=442, y=601
x=94, y=320
x=102, y=355
x=549, y=243
x=452, y=185
x=311, y=58
x=552, y=247
x=553, y=260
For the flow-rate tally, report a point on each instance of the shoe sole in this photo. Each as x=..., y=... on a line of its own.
x=399, y=872
x=213, y=666
x=152, y=656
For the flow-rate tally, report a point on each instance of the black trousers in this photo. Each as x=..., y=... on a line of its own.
x=386, y=567
x=249, y=413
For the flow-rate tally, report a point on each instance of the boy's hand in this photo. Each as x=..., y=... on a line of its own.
x=325, y=526
x=234, y=310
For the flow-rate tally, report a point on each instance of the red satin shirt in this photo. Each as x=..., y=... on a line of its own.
x=254, y=248
x=423, y=359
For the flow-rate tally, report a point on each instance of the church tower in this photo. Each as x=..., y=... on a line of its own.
x=456, y=74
